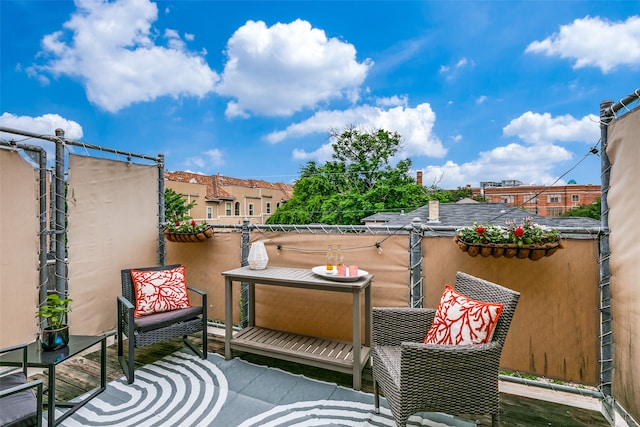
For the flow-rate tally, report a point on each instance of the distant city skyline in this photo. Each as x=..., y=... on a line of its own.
x=479, y=91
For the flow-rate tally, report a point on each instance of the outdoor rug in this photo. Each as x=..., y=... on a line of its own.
x=184, y=390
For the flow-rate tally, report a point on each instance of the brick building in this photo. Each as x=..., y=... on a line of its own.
x=539, y=199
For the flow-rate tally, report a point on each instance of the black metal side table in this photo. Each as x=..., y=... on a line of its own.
x=37, y=358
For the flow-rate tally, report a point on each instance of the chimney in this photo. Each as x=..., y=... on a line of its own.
x=419, y=177
x=434, y=211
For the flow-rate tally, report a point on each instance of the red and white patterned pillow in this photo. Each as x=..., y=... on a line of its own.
x=160, y=290
x=461, y=320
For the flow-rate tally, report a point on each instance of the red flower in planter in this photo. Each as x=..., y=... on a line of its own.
x=480, y=229
x=519, y=232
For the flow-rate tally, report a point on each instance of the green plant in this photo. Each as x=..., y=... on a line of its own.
x=176, y=209
x=187, y=226
x=176, y=212
x=54, y=310
x=525, y=233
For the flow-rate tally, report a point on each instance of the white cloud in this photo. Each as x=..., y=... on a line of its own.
x=109, y=47
x=215, y=157
x=530, y=164
x=209, y=158
x=595, y=42
x=393, y=101
x=533, y=162
x=535, y=128
x=285, y=68
x=41, y=125
x=453, y=72
x=481, y=99
x=415, y=125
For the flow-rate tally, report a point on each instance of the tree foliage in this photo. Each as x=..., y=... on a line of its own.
x=359, y=181
x=590, y=211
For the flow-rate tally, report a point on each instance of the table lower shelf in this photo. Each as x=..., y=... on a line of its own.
x=318, y=352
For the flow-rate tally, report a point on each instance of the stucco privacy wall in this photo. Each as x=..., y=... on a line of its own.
x=19, y=228
x=623, y=149
x=112, y=225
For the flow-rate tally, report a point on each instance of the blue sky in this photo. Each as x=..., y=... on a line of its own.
x=479, y=91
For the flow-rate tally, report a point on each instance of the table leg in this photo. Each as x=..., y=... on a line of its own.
x=357, y=343
x=51, y=397
x=228, y=317
x=103, y=363
x=252, y=305
x=367, y=316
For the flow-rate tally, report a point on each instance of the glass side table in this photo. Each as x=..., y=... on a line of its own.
x=38, y=358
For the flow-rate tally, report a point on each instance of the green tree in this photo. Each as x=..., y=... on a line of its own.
x=591, y=211
x=359, y=181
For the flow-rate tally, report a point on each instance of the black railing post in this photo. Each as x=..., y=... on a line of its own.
x=416, y=298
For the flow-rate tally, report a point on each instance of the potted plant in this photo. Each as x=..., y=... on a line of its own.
x=56, y=334
x=520, y=240
x=179, y=226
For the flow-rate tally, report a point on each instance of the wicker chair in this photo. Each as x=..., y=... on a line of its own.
x=417, y=377
x=19, y=406
x=155, y=328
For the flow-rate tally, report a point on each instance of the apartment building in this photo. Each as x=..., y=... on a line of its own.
x=226, y=200
x=539, y=199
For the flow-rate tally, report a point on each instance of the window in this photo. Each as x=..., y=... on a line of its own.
x=237, y=210
x=209, y=212
x=554, y=211
x=227, y=208
x=250, y=209
x=575, y=198
x=507, y=198
x=268, y=207
x=553, y=198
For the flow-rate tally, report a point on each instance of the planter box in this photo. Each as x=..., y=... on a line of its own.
x=510, y=250
x=173, y=236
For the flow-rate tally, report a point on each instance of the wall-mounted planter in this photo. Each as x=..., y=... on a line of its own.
x=510, y=250
x=202, y=236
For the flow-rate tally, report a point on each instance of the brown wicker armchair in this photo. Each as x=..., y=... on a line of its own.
x=19, y=405
x=417, y=377
x=157, y=327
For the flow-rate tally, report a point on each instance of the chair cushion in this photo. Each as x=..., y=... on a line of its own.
x=461, y=320
x=18, y=409
x=159, y=290
x=160, y=320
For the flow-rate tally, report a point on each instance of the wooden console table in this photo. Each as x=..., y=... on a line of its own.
x=341, y=356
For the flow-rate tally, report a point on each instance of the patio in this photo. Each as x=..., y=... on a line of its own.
x=574, y=306
x=77, y=376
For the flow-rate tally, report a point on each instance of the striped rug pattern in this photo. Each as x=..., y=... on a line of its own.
x=183, y=390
